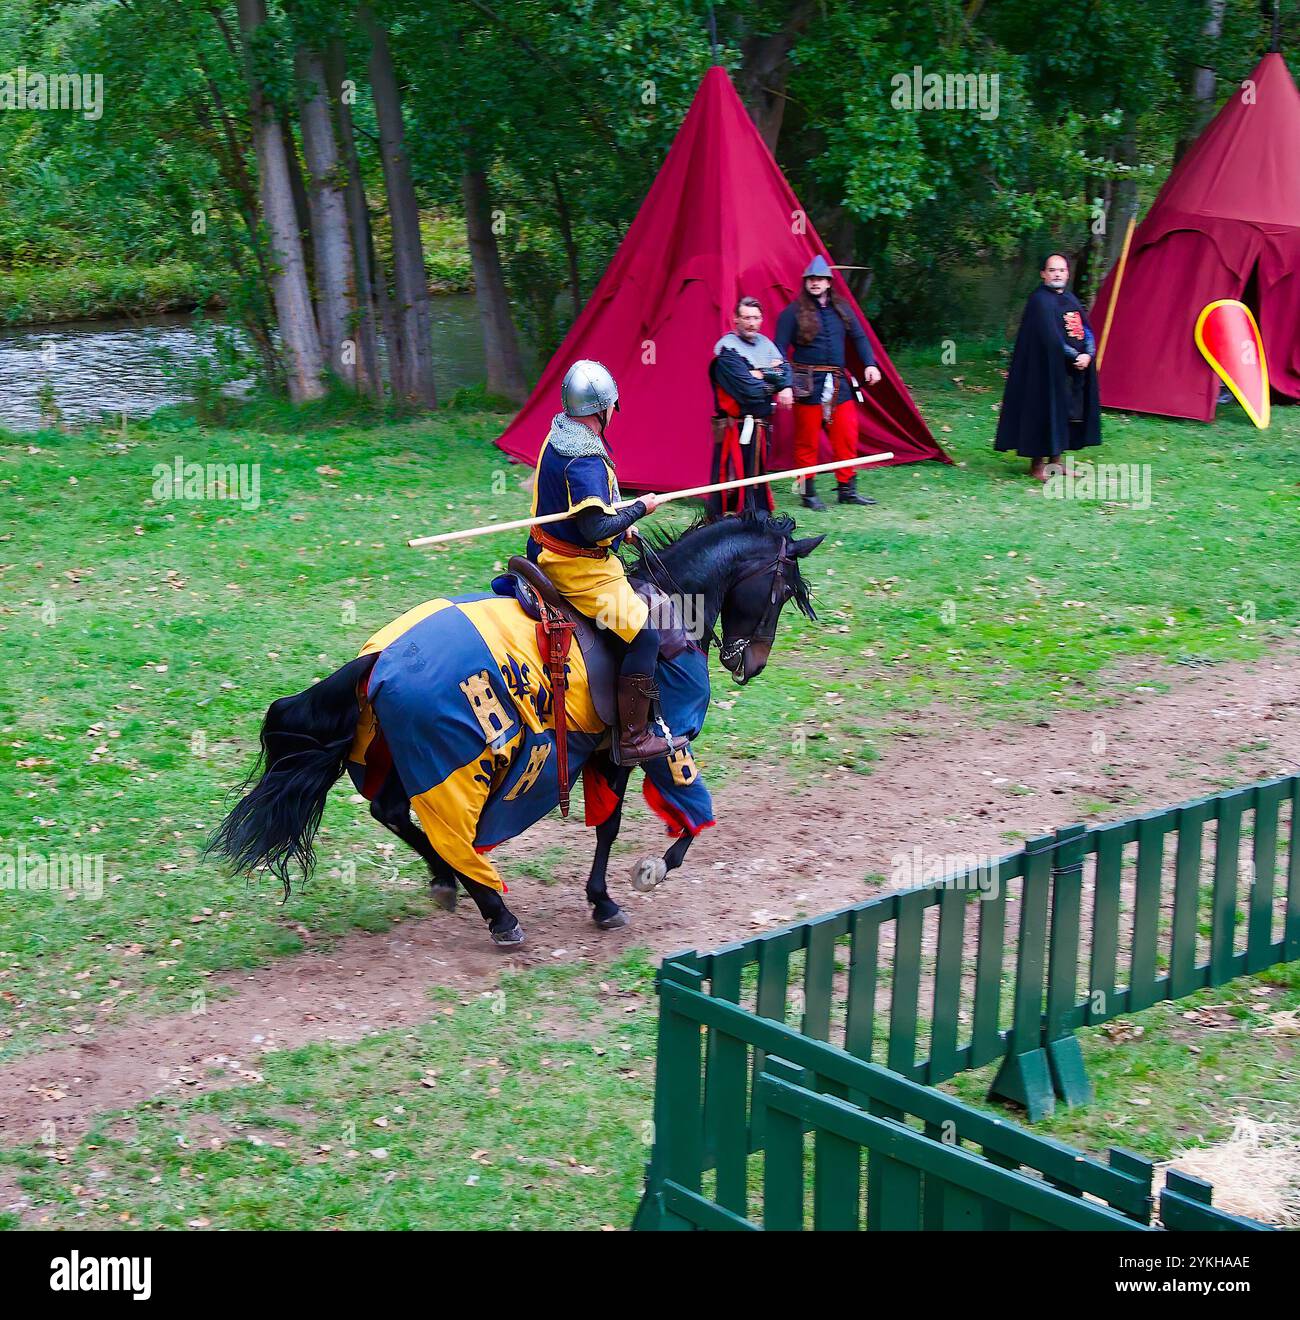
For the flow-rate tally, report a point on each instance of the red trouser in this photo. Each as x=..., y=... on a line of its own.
x=843, y=431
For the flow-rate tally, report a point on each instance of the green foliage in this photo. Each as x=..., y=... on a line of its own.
x=207, y=378
x=569, y=107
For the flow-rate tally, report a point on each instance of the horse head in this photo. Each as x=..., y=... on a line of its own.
x=742, y=569
x=765, y=577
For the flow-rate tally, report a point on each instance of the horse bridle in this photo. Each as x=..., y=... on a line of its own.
x=765, y=631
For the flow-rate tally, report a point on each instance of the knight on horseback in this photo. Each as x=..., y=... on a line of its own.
x=575, y=476
x=450, y=722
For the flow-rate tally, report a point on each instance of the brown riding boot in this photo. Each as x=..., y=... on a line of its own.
x=637, y=740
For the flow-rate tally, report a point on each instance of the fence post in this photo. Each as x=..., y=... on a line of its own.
x=1025, y=1075
x=1223, y=899
x=1136, y=1166
x=1183, y=976
x=783, y=1154
x=1185, y=1203
x=1148, y=880
x=677, y=1153
x=1063, y=1052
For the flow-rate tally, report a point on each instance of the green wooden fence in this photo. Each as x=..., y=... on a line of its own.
x=842, y=1024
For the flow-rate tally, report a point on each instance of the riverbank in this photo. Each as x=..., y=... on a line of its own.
x=74, y=374
x=101, y=292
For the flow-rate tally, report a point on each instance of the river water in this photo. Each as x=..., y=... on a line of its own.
x=93, y=369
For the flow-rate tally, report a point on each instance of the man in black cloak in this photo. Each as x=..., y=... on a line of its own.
x=1050, y=403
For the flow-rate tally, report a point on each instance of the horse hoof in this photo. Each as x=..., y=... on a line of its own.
x=444, y=896
x=648, y=873
x=515, y=935
x=616, y=922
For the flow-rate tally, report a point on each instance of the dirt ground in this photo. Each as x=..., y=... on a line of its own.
x=945, y=784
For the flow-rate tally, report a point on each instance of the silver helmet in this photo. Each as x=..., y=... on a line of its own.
x=588, y=389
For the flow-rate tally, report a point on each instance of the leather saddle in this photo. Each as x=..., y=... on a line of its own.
x=530, y=586
x=558, y=623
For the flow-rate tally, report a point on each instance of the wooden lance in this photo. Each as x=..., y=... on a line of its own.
x=520, y=523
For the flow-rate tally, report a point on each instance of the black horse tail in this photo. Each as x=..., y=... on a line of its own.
x=305, y=744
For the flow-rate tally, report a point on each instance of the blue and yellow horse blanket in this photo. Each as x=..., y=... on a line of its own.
x=459, y=704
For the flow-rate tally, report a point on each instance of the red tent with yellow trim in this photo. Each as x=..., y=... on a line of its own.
x=720, y=221
x=1225, y=225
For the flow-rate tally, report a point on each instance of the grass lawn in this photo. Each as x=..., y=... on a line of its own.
x=1175, y=1075
x=144, y=638
x=524, y=1107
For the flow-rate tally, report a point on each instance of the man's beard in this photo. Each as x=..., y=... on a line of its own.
x=748, y=335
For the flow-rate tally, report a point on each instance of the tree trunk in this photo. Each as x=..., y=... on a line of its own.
x=369, y=376
x=229, y=150
x=570, y=247
x=390, y=326
x=1124, y=203
x=298, y=185
x=1203, y=77
x=410, y=284
x=765, y=68
x=505, y=372
x=293, y=311
x=335, y=272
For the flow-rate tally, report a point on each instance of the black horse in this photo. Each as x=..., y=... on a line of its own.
x=738, y=571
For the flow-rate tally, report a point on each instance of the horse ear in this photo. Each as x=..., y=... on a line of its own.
x=802, y=549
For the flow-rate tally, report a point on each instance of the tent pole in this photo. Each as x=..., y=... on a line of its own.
x=1114, y=297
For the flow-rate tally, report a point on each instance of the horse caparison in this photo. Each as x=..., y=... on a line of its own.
x=740, y=571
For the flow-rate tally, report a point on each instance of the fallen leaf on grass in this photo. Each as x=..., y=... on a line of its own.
x=1214, y=1017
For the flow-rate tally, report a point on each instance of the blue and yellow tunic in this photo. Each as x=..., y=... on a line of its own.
x=567, y=484
x=574, y=474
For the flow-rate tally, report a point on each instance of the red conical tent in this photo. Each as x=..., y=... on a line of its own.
x=1225, y=225
x=719, y=221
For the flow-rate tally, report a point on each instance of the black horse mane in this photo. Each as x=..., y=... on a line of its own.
x=710, y=541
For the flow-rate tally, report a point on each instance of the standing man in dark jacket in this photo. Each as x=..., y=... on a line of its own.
x=1050, y=403
x=811, y=334
x=749, y=378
